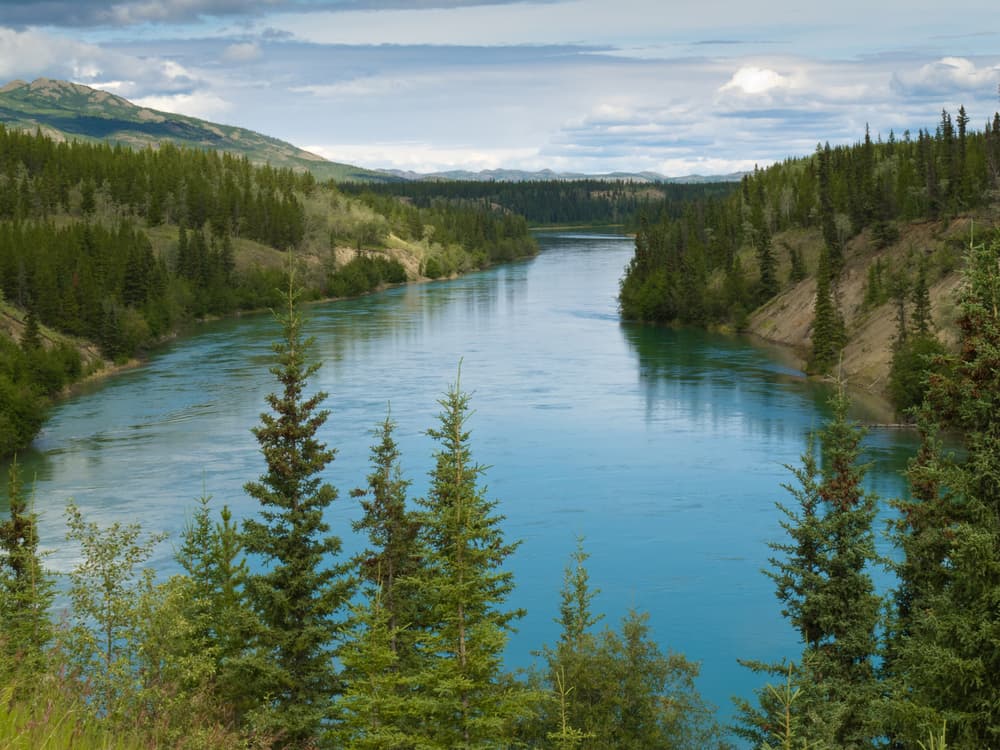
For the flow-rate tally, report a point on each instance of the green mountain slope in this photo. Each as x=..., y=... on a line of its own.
x=64, y=111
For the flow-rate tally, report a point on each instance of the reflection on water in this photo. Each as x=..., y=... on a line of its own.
x=664, y=448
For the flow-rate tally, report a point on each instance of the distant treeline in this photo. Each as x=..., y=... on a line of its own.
x=688, y=268
x=594, y=202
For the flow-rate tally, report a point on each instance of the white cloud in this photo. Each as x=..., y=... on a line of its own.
x=202, y=104
x=753, y=80
x=241, y=52
x=947, y=75
x=424, y=157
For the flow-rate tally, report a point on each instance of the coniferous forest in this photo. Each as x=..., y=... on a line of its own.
x=271, y=637
x=121, y=248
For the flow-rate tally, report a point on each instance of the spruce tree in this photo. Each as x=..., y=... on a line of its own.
x=828, y=328
x=26, y=590
x=946, y=649
x=464, y=588
x=299, y=592
x=382, y=705
x=222, y=625
x=822, y=580
x=393, y=556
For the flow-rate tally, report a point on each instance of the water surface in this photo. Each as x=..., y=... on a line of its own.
x=664, y=448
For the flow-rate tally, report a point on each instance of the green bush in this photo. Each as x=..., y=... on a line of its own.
x=911, y=364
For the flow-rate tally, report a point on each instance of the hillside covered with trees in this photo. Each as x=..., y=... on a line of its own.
x=845, y=245
x=118, y=247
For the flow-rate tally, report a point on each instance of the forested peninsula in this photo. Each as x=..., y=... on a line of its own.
x=850, y=255
x=105, y=250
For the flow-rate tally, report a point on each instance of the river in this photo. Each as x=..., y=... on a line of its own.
x=664, y=448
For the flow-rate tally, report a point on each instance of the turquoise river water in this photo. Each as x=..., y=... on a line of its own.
x=664, y=448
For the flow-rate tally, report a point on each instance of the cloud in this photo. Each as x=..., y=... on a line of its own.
x=424, y=156
x=241, y=52
x=946, y=76
x=202, y=104
x=753, y=80
x=98, y=13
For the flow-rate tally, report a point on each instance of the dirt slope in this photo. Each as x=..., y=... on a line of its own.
x=787, y=319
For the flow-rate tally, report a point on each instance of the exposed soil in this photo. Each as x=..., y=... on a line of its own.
x=787, y=319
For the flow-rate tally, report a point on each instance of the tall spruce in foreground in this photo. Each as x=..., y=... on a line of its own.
x=946, y=650
x=822, y=580
x=300, y=591
x=26, y=590
x=465, y=588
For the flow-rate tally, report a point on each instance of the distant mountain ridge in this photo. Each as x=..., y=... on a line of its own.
x=64, y=110
x=516, y=175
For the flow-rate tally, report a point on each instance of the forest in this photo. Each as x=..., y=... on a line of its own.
x=122, y=248
x=589, y=202
x=271, y=638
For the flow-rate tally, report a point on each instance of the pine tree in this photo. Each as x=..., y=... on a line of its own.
x=26, y=590
x=300, y=591
x=464, y=590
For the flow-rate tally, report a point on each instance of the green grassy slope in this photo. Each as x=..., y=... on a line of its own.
x=66, y=110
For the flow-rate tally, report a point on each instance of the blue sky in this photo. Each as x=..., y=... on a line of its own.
x=586, y=85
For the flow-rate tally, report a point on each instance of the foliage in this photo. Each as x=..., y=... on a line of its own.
x=617, y=689
x=463, y=590
x=913, y=363
x=828, y=335
x=103, y=639
x=545, y=202
x=300, y=590
x=837, y=192
x=363, y=274
x=26, y=590
x=944, y=650
x=822, y=580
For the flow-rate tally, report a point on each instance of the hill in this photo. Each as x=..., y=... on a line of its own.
x=66, y=111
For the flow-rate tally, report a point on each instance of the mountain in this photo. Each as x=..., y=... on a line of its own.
x=64, y=110
x=516, y=175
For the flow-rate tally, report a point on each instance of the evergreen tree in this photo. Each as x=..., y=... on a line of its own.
x=827, y=594
x=946, y=650
x=828, y=328
x=922, y=321
x=26, y=590
x=300, y=591
x=384, y=703
x=464, y=590
x=393, y=558
x=221, y=622
x=31, y=336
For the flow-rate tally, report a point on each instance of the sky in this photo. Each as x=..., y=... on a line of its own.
x=594, y=86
